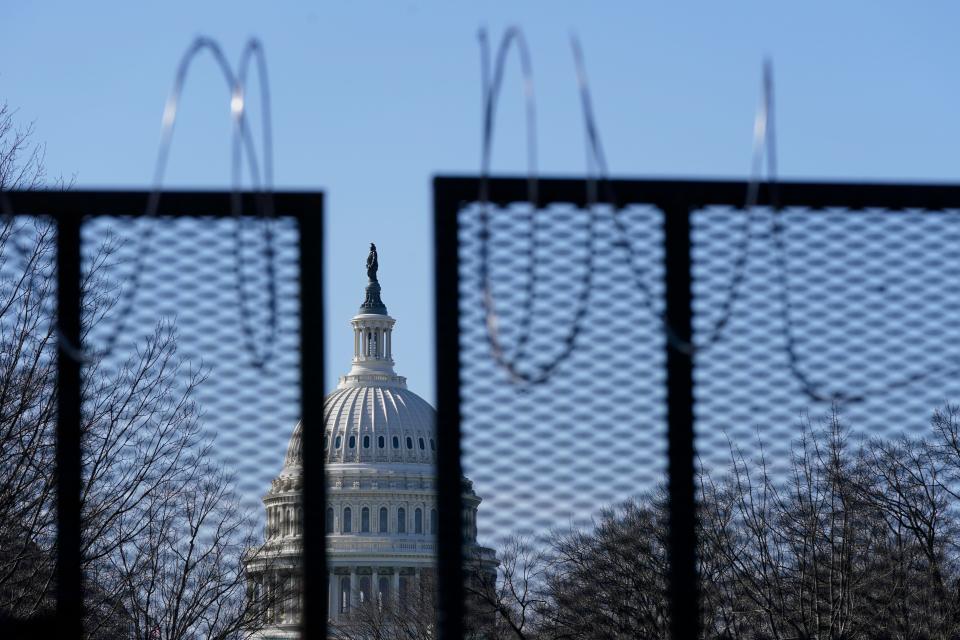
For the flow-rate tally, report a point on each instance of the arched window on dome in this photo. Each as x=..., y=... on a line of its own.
x=381, y=442
x=434, y=521
x=422, y=445
x=365, y=520
x=286, y=521
x=433, y=445
x=353, y=441
x=401, y=520
x=366, y=442
x=396, y=442
x=383, y=519
x=336, y=443
x=299, y=521
x=409, y=442
x=329, y=520
x=418, y=521
x=372, y=344
x=347, y=520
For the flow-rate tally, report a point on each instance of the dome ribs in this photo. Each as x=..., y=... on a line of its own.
x=373, y=410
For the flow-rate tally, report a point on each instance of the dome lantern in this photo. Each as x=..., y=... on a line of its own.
x=372, y=336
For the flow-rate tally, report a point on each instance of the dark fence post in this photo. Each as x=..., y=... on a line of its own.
x=684, y=600
x=449, y=489
x=316, y=598
x=68, y=453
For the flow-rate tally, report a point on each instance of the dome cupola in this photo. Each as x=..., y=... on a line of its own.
x=372, y=337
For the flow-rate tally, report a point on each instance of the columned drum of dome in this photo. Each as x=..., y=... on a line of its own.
x=380, y=456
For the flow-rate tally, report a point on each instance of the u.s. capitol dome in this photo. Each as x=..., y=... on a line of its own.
x=380, y=454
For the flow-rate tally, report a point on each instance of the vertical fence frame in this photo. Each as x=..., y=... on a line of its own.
x=677, y=199
x=68, y=209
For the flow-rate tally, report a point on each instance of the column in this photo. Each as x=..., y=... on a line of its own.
x=271, y=592
x=396, y=584
x=375, y=584
x=354, y=596
x=334, y=597
x=283, y=594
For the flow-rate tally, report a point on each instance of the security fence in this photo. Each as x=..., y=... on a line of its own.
x=152, y=367
x=717, y=420
x=736, y=420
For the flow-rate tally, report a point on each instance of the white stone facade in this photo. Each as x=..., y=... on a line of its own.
x=380, y=455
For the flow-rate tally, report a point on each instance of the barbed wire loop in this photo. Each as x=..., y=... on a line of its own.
x=242, y=146
x=491, y=81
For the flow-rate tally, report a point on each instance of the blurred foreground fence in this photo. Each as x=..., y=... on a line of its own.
x=151, y=371
x=668, y=347
x=663, y=346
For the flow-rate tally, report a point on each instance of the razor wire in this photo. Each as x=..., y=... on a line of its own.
x=764, y=157
x=490, y=90
x=242, y=144
x=765, y=151
x=597, y=174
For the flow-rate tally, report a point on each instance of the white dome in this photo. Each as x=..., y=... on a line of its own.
x=381, y=516
x=373, y=424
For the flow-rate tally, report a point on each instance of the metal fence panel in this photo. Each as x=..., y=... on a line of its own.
x=198, y=345
x=780, y=367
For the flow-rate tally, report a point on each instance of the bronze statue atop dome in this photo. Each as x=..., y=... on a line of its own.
x=372, y=263
x=371, y=301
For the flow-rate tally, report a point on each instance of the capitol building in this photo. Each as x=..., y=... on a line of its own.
x=380, y=454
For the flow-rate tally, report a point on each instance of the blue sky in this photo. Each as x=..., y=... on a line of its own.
x=371, y=99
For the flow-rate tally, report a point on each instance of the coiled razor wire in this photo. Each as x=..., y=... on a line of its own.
x=597, y=174
x=491, y=92
x=242, y=144
x=597, y=157
x=265, y=202
x=812, y=389
x=764, y=156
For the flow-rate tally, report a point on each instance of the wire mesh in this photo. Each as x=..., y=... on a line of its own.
x=824, y=422
x=864, y=301
x=551, y=454
x=184, y=433
x=824, y=403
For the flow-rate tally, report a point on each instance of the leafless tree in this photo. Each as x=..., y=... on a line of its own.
x=916, y=592
x=847, y=538
x=409, y=615
x=508, y=603
x=21, y=160
x=610, y=581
